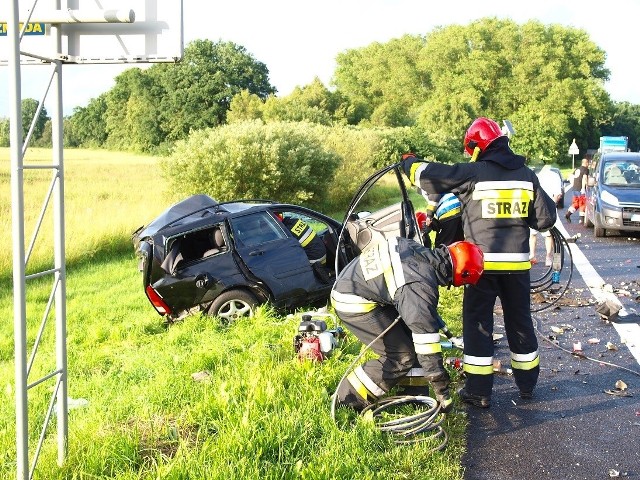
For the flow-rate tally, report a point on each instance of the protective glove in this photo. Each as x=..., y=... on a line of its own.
x=439, y=379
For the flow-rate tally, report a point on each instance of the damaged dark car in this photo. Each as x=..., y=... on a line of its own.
x=226, y=258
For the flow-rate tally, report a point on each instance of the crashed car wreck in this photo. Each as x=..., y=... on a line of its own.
x=226, y=258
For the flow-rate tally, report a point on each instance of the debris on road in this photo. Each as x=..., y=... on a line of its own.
x=620, y=390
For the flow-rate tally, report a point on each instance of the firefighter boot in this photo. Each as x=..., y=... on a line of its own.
x=347, y=396
x=475, y=400
x=568, y=215
x=440, y=383
x=439, y=379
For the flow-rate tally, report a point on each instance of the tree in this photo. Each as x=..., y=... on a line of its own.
x=149, y=109
x=491, y=67
x=87, y=125
x=4, y=132
x=625, y=121
x=383, y=80
x=29, y=110
x=281, y=161
x=245, y=106
x=198, y=90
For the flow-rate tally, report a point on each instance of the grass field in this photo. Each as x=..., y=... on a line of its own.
x=258, y=413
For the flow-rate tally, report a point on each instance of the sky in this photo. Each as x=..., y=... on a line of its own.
x=299, y=40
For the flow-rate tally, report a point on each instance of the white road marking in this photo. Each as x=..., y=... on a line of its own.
x=629, y=332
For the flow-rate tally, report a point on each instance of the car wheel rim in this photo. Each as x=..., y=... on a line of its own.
x=234, y=309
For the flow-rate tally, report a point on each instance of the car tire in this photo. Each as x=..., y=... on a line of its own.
x=598, y=231
x=233, y=304
x=587, y=221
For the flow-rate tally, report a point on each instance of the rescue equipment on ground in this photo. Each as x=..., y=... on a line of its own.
x=314, y=340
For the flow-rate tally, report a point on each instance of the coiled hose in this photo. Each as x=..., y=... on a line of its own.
x=554, y=277
x=421, y=426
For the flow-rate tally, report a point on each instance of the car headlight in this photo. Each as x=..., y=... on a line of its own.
x=610, y=199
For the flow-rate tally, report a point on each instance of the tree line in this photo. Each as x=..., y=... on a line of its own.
x=417, y=92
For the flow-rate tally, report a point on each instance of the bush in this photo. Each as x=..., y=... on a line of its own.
x=280, y=161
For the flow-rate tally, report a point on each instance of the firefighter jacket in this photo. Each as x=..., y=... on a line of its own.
x=398, y=272
x=501, y=200
x=442, y=207
x=306, y=236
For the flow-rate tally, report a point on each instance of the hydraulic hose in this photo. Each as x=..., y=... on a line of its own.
x=557, y=276
x=406, y=429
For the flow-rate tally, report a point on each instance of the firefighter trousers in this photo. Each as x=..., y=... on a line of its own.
x=479, y=300
x=397, y=355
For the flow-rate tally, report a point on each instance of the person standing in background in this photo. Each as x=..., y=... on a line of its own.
x=579, y=188
x=552, y=185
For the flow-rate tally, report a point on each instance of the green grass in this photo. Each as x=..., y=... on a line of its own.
x=260, y=413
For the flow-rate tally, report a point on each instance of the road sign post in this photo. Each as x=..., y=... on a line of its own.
x=573, y=151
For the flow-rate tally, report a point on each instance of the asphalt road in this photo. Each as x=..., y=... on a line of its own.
x=572, y=428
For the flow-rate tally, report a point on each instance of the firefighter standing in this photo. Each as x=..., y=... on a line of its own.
x=399, y=277
x=444, y=216
x=502, y=199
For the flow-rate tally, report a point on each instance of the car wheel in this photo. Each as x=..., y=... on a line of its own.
x=233, y=304
x=598, y=231
x=587, y=221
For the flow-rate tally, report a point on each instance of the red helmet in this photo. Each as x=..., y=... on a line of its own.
x=480, y=134
x=468, y=263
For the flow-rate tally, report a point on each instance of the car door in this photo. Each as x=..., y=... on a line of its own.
x=195, y=270
x=272, y=256
x=363, y=227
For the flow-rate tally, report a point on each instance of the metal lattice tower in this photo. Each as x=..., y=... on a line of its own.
x=157, y=37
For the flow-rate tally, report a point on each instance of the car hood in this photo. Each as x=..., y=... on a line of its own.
x=180, y=213
x=624, y=194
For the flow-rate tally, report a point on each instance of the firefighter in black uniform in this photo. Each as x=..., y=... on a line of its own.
x=501, y=200
x=443, y=216
x=313, y=245
x=399, y=277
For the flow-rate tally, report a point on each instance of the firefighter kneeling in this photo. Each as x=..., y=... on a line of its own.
x=399, y=277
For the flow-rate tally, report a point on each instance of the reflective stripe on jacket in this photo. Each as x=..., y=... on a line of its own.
x=497, y=214
x=397, y=272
